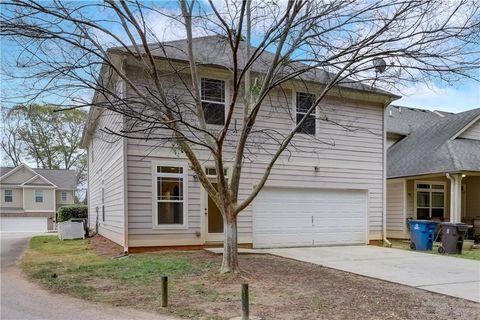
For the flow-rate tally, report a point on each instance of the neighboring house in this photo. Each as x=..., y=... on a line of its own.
x=30, y=197
x=322, y=194
x=433, y=167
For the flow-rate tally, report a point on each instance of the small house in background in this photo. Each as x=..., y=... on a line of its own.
x=30, y=197
x=433, y=167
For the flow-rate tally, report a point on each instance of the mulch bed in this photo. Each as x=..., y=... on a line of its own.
x=104, y=247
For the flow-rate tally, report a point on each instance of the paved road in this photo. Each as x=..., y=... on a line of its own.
x=22, y=300
x=442, y=274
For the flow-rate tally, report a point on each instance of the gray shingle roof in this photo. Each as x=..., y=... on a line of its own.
x=215, y=51
x=405, y=120
x=63, y=179
x=431, y=149
x=5, y=170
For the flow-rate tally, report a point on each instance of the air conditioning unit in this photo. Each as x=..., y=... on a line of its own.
x=68, y=230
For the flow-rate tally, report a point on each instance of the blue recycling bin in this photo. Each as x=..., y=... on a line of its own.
x=422, y=234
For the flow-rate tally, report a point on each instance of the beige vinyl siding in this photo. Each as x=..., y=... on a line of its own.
x=472, y=197
x=58, y=198
x=396, y=209
x=140, y=205
x=31, y=205
x=349, y=155
x=17, y=201
x=19, y=176
x=107, y=167
x=473, y=132
x=411, y=195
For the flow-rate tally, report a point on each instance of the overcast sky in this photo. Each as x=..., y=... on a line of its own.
x=463, y=96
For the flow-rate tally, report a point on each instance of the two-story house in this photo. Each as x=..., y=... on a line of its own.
x=145, y=195
x=433, y=167
x=30, y=197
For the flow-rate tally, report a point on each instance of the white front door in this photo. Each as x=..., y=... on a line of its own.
x=296, y=217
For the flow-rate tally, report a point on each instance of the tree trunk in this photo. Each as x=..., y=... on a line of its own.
x=230, y=254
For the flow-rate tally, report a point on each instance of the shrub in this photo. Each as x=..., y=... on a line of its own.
x=73, y=211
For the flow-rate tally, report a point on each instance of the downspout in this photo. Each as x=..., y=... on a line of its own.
x=125, y=170
x=384, y=180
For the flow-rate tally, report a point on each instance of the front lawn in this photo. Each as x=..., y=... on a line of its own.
x=466, y=254
x=279, y=288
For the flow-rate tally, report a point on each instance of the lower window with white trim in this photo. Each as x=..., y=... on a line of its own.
x=430, y=199
x=171, y=193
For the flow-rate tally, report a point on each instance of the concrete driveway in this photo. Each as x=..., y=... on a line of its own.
x=442, y=274
x=21, y=299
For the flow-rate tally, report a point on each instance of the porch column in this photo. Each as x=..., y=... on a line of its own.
x=455, y=197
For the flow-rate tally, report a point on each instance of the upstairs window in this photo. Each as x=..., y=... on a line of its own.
x=63, y=196
x=213, y=101
x=39, y=196
x=8, y=196
x=304, y=102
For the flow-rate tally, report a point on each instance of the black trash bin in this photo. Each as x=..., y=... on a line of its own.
x=453, y=235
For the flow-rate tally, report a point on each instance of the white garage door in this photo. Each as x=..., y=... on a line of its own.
x=294, y=217
x=23, y=224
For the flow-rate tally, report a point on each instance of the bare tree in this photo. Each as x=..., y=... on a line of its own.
x=11, y=143
x=41, y=135
x=72, y=49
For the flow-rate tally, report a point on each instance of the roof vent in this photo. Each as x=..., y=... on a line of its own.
x=390, y=113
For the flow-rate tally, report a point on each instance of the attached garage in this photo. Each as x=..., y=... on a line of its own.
x=296, y=217
x=24, y=224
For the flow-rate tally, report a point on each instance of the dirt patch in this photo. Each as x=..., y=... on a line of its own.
x=104, y=247
x=279, y=288
x=286, y=289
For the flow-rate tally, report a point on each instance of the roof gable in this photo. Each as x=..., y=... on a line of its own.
x=433, y=149
x=17, y=175
x=38, y=180
x=24, y=175
x=470, y=131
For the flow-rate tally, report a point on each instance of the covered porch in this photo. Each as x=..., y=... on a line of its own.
x=453, y=197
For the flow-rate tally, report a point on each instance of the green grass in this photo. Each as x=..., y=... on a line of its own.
x=466, y=254
x=71, y=267
x=197, y=290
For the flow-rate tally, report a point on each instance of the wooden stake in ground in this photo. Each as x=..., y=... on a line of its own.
x=164, y=291
x=245, y=302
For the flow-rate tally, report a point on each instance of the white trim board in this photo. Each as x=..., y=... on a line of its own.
x=184, y=175
x=431, y=182
x=35, y=177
